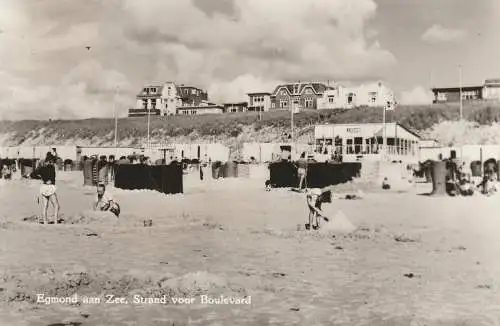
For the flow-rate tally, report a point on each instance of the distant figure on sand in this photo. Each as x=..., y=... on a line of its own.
x=47, y=172
x=6, y=172
x=385, y=184
x=105, y=201
x=488, y=186
x=302, y=170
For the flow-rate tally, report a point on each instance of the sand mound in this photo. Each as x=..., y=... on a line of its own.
x=194, y=283
x=88, y=217
x=338, y=224
x=189, y=285
x=23, y=287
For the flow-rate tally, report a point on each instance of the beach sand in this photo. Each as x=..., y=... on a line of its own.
x=412, y=259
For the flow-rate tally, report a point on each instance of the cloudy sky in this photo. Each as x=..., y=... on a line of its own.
x=230, y=47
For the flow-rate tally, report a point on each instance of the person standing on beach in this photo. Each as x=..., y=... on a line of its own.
x=47, y=172
x=302, y=170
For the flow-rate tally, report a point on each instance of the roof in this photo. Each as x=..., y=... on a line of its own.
x=189, y=87
x=455, y=89
x=492, y=81
x=155, y=85
x=259, y=93
x=414, y=133
x=237, y=103
x=212, y=106
x=318, y=88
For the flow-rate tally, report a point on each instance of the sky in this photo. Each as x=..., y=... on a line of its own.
x=65, y=59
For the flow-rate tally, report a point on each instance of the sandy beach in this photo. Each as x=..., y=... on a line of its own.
x=412, y=260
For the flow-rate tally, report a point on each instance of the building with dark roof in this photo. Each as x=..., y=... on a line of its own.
x=489, y=91
x=165, y=99
x=452, y=94
x=297, y=95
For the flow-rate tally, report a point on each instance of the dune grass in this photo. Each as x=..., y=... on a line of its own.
x=232, y=125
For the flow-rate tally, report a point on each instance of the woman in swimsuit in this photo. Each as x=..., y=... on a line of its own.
x=47, y=173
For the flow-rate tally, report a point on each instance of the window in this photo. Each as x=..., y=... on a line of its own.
x=308, y=103
x=331, y=99
x=166, y=106
x=144, y=104
x=350, y=98
x=372, y=97
x=283, y=103
x=145, y=90
x=153, y=104
x=273, y=105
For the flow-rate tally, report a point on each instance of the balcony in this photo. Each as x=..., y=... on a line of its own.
x=142, y=112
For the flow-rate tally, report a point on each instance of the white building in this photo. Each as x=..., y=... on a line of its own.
x=371, y=95
x=355, y=141
x=491, y=89
x=260, y=101
x=165, y=98
x=268, y=152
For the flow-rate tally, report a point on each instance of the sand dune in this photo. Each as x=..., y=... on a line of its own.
x=400, y=259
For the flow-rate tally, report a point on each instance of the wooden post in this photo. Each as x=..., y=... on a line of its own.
x=438, y=178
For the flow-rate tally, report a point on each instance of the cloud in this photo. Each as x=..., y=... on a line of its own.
x=440, y=34
x=87, y=90
x=417, y=96
x=224, y=46
x=234, y=90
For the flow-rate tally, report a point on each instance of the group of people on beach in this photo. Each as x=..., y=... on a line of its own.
x=460, y=183
x=46, y=171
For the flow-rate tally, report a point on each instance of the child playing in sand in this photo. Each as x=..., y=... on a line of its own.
x=339, y=223
x=105, y=201
x=315, y=198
